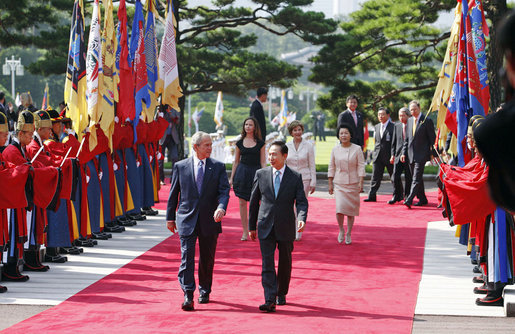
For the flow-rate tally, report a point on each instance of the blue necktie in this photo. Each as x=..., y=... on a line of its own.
x=200, y=175
x=277, y=182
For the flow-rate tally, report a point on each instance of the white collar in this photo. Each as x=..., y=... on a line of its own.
x=280, y=170
x=196, y=160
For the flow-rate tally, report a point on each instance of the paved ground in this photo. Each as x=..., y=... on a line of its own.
x=11, y=313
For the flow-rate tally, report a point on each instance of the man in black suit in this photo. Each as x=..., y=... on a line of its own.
x=383, y=134
x=170, y=140
x=2, y=103
x=417, y=151
x=399, y=135
x=275, y=191
x=355, y=119
x=256, y=110
x=200, y=194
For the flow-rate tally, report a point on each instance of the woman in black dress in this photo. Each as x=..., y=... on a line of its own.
x=249, y=157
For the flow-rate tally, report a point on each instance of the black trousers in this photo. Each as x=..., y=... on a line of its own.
x=417, y=183
x=171, y=152
x=377, y=176
x=207, y=249
x=275, y=284
x=400, y=192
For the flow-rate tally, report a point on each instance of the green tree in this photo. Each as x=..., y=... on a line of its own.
x=389, y=52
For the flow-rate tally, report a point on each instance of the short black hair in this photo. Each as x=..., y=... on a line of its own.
x=351, y=97
x=261, y=91
x=385, y=109
x=506, y=36
x=2, y=95
x=344, y=126
x=282, y=145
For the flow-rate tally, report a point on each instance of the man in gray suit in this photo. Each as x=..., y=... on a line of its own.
x=275, y=191
x=417, y=150
x=200, y=194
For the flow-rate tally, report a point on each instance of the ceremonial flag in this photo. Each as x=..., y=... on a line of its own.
x=75, y=84
x=109, y=85
x=151, y=59
x=93, y=73
x=219, y=110
x=44, y=104
x=139, y=65
x=470, y=95
x=446, y=76
x=283, y=114
x=196, y=117
x=169, y=86
x=291, y=117
x=125, y=108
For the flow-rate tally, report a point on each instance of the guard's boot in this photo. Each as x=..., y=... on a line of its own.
x=11, y=273
x=32, y=262
x=52, y=255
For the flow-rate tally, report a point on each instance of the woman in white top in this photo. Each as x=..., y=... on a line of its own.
x=301, y=158
x=345, y=175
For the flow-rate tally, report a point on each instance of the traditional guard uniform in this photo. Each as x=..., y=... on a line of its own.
x=44, y=189
x=13, y=178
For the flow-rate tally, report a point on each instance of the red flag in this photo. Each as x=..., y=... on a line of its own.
x=125, y=108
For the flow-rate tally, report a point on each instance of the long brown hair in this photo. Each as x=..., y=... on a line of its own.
x=257, y=131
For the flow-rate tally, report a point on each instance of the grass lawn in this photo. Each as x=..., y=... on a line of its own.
x=323, y=154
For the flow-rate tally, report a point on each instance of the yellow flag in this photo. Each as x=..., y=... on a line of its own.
x=108, y=85
x=446, y=76
x=75, y=83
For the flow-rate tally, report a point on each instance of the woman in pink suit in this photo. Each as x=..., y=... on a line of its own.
x=345, y=175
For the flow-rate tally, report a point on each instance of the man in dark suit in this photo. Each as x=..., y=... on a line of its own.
x=417, y=149
x=399, y=135
x=200, y=194
x=383, y=134
x=256, y=110
x=275, y=191
x=355, y=119
x=170, y=140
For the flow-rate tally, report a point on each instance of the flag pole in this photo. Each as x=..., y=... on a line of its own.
x=189, y=115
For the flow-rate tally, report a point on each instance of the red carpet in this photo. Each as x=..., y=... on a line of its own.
x=369, y=286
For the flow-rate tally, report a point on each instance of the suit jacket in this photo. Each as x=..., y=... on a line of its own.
x=358, y=136
x=194, y=207
x=256, y=111
x=417, y=148
x=397, y=141
x=383, y=145
x=276, y=215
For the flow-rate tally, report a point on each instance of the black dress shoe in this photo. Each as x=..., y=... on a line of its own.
x=203, y=298
x=150, y=212
x=370, y=199
x=281, y=300
x=481, y=290
x=188, y=304
x=478, y=279
x=99, y=236
x=420, y=203
x=267, y=307
x=407, y=203
x=71, y=250
x=55, y=258
x=3, y=289
x=476, y=270
x=490, y=301
x=137, y=216
x=393, y=200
